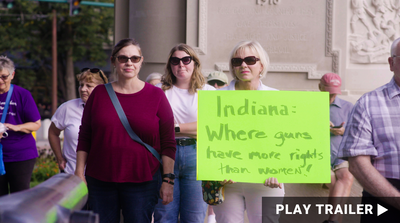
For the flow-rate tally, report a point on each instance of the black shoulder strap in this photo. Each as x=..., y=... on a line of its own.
x=125, y=123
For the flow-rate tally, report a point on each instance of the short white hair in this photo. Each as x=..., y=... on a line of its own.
x=153, y=76
x=394, y=47
x=7, y=64
x=256, y=48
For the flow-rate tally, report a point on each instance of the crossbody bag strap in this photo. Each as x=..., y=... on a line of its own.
x=125, y=123
x=5, y=110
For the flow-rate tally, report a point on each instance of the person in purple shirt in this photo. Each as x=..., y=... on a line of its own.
x=371, y=143
x=339, y=109
x=19, y=147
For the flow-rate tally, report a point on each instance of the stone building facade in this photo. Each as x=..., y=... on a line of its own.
x=304, y=39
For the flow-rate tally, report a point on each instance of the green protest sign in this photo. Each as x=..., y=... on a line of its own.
x=248, y=136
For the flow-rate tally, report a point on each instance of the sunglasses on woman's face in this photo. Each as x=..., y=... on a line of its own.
x=176, y=60
x=4, y=77
x=236, y=62
x=124, y=59
x=94, y=70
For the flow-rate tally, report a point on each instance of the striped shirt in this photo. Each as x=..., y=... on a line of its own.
x=373, y=129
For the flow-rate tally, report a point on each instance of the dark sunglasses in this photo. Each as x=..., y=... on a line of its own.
x=94, y=70
x=236, y=62
x=5, y=77
x=176, y=60
x=218, y=82
x=124, y=59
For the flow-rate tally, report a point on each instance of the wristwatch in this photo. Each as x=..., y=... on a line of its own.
x=177, y=128
x=169, y=175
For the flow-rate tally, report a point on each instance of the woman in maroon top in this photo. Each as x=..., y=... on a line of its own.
x=121, y=173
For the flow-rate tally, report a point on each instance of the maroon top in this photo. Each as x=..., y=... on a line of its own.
x=113, y=156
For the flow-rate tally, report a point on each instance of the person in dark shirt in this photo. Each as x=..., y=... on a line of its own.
x=120, y=172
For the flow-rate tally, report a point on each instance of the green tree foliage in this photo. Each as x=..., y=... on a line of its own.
x=27, y=39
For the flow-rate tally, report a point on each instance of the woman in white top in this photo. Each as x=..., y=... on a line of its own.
x=180, y=83
x=249, y=63
x=68, y=118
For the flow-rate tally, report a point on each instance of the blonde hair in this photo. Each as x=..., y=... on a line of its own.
x=255, y=47
x=92, y=77
x=197, y=80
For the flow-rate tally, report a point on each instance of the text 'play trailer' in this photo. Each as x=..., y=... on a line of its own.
x=330, y=209
x=319, y=209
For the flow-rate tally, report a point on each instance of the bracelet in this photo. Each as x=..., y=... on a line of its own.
x=169, y=175
x=168, y=181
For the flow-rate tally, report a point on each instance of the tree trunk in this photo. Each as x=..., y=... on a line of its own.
x=70, y=76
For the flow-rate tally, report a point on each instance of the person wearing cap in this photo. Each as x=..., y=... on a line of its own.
x=341, y=178
x=371, y=143
x=154, y=78
x=217, y=79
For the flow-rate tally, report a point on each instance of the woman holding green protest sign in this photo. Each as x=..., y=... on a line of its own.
x=249, y=63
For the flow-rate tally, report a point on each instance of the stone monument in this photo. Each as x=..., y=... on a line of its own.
x=304, y=39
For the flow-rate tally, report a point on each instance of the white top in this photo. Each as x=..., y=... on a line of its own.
x=68, y=118
x=184, y=104
x=231, y=87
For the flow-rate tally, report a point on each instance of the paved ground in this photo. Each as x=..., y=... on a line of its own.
x=312, y=190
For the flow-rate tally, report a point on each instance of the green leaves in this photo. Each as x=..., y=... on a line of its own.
x=27, y=38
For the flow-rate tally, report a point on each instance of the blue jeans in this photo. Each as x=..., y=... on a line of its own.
x=137, y=200
x=188, y=196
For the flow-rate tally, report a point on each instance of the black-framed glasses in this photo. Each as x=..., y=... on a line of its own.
x=94, y=70
x=236, y=62
x=176, y=60
x=124, y=59
x=5, y=77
